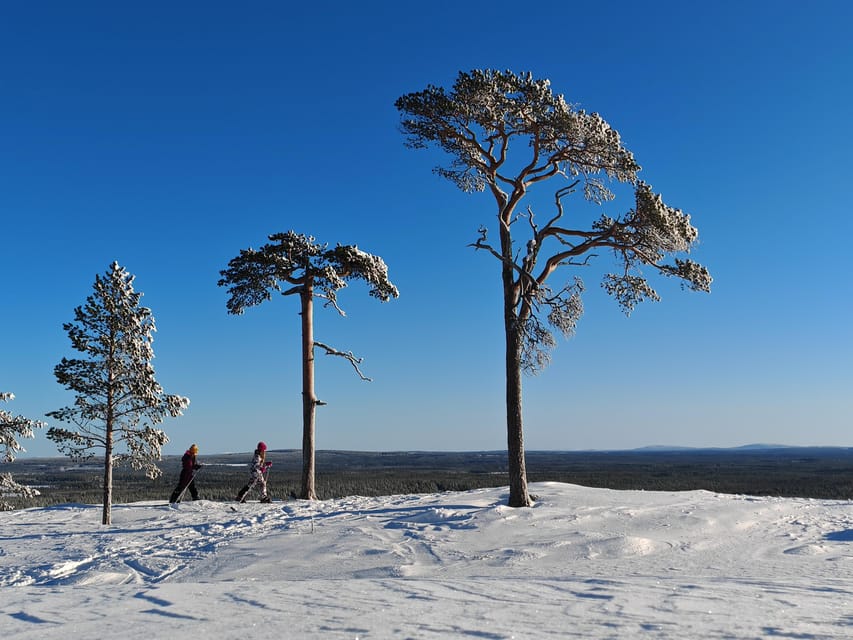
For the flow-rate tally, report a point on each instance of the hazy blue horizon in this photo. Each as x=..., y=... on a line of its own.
x=650, y=449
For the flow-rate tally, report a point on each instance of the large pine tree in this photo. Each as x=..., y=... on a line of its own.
x=509, y=135
x=118, y=402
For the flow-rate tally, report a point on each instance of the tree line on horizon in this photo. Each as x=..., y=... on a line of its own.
x=506, y=134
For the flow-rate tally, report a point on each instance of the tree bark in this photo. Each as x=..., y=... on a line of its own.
x=309, y=401
x=108, y=476
x=518, y=495
x=108, y=440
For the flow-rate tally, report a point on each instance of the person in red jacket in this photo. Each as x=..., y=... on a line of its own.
x=189, y=466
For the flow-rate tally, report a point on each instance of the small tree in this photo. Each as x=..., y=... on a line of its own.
x=507, y=134
x=11, y=428
x=294, y=264
x=118, y=402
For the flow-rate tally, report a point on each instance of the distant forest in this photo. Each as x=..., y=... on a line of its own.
x=790, y=472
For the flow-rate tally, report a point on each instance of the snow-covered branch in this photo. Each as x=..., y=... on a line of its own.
x=347, y=355
x=12, y=428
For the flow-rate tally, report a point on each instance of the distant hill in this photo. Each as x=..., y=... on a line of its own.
x=745, y=447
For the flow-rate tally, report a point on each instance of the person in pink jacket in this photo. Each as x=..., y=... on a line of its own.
x=258, y=478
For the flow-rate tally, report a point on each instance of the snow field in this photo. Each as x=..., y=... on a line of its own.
x=591, y=563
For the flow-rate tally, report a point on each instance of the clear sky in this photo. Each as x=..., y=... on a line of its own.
x=170, y=135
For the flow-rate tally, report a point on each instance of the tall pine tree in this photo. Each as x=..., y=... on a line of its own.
x=511, y=136
x=295, y=264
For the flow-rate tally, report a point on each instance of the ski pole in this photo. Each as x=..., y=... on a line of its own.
x=248, y=490
x=192, y=477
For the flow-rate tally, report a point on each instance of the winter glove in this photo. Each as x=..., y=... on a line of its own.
x=267, y=465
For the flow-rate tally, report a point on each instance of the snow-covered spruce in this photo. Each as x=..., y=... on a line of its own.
x=118, y=403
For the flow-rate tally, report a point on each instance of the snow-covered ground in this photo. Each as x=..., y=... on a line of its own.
x=590, y=563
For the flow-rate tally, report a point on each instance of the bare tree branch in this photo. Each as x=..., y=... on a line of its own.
x=331, y=301
x=347, y=355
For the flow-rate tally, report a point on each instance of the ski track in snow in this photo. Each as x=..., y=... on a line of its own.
x=150, y=547
x=581, y=563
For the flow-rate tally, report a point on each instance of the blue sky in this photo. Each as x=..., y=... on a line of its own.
x=168, y=136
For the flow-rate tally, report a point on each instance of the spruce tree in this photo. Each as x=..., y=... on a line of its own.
x=118, y=403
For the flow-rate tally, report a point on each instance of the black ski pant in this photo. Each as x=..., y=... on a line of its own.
x=181, y=486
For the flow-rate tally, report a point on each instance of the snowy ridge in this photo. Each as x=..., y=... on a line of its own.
x=583, y=562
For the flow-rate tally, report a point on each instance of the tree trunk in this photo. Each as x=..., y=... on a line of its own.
x=309, y=401
x=108, y=477
x=518, y=496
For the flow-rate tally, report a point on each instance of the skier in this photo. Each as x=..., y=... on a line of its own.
x=258, y=477
x=189, y=466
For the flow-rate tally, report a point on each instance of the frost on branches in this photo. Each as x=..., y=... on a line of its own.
x=13, y=427
x=507, y=134
x=118, y=403
x=292, y=260
x=476, y=123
